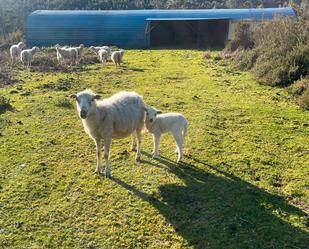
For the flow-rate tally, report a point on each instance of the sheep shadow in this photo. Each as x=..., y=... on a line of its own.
x=221, y=210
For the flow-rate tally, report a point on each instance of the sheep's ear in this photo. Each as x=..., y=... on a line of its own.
x=159, y=112
x=145, y=109
x=97, y=96
x=73, y=96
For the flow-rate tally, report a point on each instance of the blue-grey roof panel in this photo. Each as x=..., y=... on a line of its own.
x=124, y=28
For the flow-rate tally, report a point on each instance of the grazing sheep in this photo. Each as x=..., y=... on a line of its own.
x=79, y=51
x=59, y=56
x=119, y=116
x=15, y=51
x=109, y=52
x=172, y=122
x=26, y=56
x=96, y=49
x=103, y=55
x=66, y=54
x=117, y=57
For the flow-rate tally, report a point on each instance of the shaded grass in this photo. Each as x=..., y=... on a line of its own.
x=243, y=182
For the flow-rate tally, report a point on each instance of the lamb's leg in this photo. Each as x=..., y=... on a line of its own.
x=98, y=169
x=179, y=142
x=107, y=143
x=156, y=142
x=133, y=141
x=138, y=147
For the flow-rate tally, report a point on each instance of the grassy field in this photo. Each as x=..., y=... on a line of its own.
x=242, y=184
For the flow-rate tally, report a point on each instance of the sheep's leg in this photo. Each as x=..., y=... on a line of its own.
x=107, y=143
x=98, y=169
x=138, y=147
x=179, y=142
x=133, y=141
x=156, y=142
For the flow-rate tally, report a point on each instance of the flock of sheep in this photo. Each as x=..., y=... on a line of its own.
x=65, y=54
x=123, y=115
x=119, y=116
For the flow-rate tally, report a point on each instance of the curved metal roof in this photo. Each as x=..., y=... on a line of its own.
x=262, y=13
x=125, y=28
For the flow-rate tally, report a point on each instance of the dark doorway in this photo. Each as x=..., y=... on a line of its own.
x=189, y=33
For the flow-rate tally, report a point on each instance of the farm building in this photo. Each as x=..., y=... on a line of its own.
x=142, y=28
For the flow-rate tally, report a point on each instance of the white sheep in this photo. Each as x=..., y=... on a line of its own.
x=117, y=57
x=66, y=54
x=158, y=123
x=103, y=55
x=97, y=49
x=59, y=56
x=26, y=56
x=15, y=51
x=79, y=51
x=119, y=116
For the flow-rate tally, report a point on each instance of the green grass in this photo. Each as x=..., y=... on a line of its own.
x=243, y=182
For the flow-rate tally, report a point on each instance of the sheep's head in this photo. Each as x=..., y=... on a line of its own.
x=21, y=45
x=151, y=114
x=81, y=46
x=85, y=102
x=121, y=52
x=35, y=49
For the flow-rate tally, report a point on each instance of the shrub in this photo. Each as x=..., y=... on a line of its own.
x=303, y=100
x=12, y=38
x=245, y=60
x=243, y=38
x=276, y=51
x=300, y=91
x=282, y=51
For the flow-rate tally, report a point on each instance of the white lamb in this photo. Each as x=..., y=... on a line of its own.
x=103, y=55
x=157, y=124
x=15, y=51
x=26, y=56
x=119, y=116
x=66, y=54
x=117, y=57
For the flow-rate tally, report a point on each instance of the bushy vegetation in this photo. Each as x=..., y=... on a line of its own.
x=282, y=48
x=277, y=52
x=242, y=38
x=300, y=91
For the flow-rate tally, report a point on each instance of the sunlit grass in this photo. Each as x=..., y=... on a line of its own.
x=243, y=182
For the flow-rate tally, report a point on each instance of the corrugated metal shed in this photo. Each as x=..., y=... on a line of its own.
x=123, y=28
